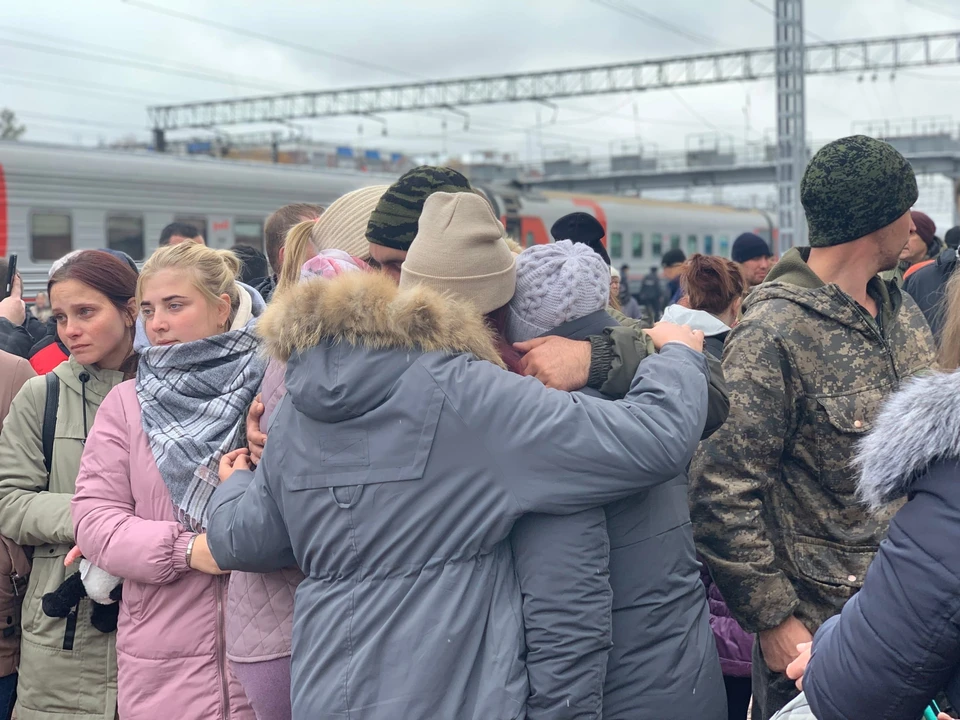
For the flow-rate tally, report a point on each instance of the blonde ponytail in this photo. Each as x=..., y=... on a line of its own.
x=298, y=248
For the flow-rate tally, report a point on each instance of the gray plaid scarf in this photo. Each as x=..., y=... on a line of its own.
x=193, y=400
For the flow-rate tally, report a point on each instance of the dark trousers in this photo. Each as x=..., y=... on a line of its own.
x=739, y=690
x=8, y=695
x=771, y=691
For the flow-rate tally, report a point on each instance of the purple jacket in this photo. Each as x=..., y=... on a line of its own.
x=734, y=644
x=260, y=607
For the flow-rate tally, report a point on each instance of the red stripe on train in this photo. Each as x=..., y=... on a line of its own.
x=3, y=214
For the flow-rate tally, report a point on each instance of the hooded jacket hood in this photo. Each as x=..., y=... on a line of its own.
x=340, y=339
x=98, y=384
x=696, y=319
x=792, y=279
x=916, y=428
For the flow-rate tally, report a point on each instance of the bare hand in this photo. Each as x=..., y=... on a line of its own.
x=72, y=556
x=201, y=559
x=779, y=645
x=944, y=716
x=236, y=460
x=13, y=307
x=557, y=362
x=256, y=440
x=664, y=332
x=798, y=667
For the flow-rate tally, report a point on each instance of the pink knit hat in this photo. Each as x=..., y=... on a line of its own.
x=330, y=263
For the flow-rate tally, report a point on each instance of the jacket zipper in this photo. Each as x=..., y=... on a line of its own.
x=876, y=332
x=70, y=632
x=222, y=650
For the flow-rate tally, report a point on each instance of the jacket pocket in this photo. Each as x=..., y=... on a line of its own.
x=47, y=575
x=390, y=448
x=837, y=571
x=841, y=421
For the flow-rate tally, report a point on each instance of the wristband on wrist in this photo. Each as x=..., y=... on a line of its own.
x=190, y=550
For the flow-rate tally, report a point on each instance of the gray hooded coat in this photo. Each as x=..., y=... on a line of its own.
x=405, y=456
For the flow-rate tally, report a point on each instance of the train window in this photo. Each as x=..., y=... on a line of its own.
x=724, y=246
x=197, y=221
x=248, y=231
x=616, y=245
x=692, y=245
x=657, y=244
x=51, y=235
x=531, y=240
x=125, y=233
x=636, y=242
x=674, y=242
x=708, y=244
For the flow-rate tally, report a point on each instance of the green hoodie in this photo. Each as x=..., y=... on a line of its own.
x=773, y=492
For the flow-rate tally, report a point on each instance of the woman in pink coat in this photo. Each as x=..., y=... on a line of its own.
x=148, y=471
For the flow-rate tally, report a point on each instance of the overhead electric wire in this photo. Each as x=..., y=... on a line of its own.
x=76, y=121
x=934, y=7
x=625, y=8
x=225, y=78
x=283, y=42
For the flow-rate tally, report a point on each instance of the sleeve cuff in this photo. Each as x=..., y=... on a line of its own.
x=180, y=552
x=601, y=360
x=781, y=602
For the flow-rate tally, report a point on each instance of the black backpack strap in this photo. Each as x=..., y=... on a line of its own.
x=50, y=408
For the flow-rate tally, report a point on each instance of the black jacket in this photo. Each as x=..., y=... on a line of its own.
x=664, y=661
x=927, y=286
x=19, y=339
x=896, y=644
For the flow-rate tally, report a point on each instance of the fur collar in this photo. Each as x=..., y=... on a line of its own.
x=368, y=309
x=919, y=425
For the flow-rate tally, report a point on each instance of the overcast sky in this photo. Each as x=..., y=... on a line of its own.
x=63, y=95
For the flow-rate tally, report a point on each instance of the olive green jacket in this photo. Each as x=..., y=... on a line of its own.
x=68, y=669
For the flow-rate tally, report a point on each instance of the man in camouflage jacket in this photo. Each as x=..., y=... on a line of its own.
x=821, y=344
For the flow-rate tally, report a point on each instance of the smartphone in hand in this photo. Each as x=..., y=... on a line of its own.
x=11, y=275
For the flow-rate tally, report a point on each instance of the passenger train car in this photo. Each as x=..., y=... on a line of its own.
x=57, y=199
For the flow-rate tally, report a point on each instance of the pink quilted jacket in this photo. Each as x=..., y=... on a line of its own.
x=260, y=607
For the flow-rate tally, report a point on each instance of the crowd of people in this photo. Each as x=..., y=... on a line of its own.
x=400, y=467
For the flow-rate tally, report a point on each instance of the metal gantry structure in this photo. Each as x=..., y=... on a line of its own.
x=791, y=123
x=857, y=56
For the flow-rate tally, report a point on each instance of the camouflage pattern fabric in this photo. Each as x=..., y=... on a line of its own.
x=772, y=493
x=393, y=223
x=853, y=187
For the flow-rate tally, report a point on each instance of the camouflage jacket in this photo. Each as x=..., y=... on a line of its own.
x=772, y=493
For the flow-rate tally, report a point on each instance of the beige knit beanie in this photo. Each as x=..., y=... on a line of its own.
x=460, y=248
x=343, y=225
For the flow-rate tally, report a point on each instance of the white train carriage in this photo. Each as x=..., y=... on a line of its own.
x=56, y=199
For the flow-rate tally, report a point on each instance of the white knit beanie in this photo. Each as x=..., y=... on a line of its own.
x=556, y=283
x=343, y=225
x=460, y=248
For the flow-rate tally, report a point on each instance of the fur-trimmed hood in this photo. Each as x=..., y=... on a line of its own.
x=919, y=425
x=368, y=310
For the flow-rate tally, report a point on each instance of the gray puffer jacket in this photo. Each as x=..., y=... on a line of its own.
x=405, y=456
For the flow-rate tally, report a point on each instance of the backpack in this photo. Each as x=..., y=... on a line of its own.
x=650, y=289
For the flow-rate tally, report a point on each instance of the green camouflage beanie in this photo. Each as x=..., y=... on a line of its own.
x=853, y=187
x=393, y=222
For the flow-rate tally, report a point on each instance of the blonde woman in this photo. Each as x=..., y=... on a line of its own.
x=148, y=473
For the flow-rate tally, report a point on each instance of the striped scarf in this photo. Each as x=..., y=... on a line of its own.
x=193, y=400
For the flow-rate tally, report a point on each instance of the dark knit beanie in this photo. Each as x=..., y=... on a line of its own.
x=581, y=227
x=853, y=187
x=952, y=238
x=749, y=246
x=926, y=229
x=393, y=223
x=673, y=257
